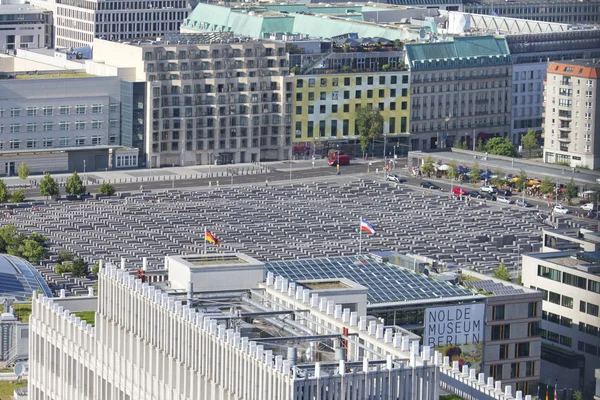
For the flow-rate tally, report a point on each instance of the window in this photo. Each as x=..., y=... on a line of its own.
x=48, y=110
x=593, y=286
x=592, y=330
x=322, y=96
x=299, y=96
x=298, y=110
x=79, y=125
x=47, y=142
x=500, y=332
x=567, y=301
x=514, y=370
x=532, y=310
x=523, y=349
x=358, y=80
x=113, y=107
x=566, y=341
x=370, y=94
x=15, y=112
x=394, y=79
x=31, y=127
x=311, y=96
x=63, y=141
x=80, y=109
x=80, y=141
x=530, y=368
x=550, y=273
x=346, y=94
x=96, y=108
x=503, y=353
x=323, y=82
x=496, y=372
x=346, y=108
x=96, y=140
x=31, y=111
x=392, y=105
x=15, y=128
x=300, y=83
x=554, y=298
x=592, y=309
x=582, y=306
x=591, y=349
x=96, y=124
x=311, y=109
x=358, y=94
x=63, y=125
x=574, y=280
x=334, y=108
x=498, y=313
x=64, y=110
x=382, y=79
x=15, y=144
x=346, y=81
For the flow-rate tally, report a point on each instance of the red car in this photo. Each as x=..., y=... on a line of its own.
x=459, y=191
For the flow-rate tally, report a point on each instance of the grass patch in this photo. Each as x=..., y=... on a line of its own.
x=7, y=369
x=450, y=397
x=22, y=311
x=87, y=316
x=7, y=388
x=54, y=76
x=468, y=278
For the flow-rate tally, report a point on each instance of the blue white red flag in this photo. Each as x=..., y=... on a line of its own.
x=367, y=227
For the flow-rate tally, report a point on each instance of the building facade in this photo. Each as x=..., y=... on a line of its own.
x=218, y=99
x=572, y=112
x=460, y=91
x=550, y=11
x=55, y=126
x=76, y=24
x=24, y=26
x=570, y=284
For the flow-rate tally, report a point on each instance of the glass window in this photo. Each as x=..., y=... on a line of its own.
x=550, y=273
x=567, y=301
x=574, y=280
x=592, y=309
x=554, y=298
x=498, y=313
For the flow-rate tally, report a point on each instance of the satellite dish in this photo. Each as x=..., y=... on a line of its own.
x=21, y=369
x=422, y=33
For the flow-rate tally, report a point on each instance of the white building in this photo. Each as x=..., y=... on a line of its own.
x=262, y=341
x=570, y=283
x=76, y=24
x=24, y=26
x=54, y=125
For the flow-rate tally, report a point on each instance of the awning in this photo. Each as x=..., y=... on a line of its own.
x=533, y=182
x=443, y=167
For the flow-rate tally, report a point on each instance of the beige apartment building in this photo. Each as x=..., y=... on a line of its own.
x=460, y=91
x=209, y=98
x=571, y=115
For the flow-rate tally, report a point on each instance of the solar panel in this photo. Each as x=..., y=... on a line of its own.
x=387, y=283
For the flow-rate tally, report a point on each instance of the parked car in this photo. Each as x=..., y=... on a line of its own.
x=522, y=203
x=589, y=207
x=395, y=178
x=429, y=185
x=490, y=196
x=591, y=215
x=561, y=209
x=504, y=192
x=489, y=189
x=504, y=200
x=475, y=194
x=459, y=191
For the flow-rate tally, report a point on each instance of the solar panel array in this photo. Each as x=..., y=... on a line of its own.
x=496, y=288
x=387, y=283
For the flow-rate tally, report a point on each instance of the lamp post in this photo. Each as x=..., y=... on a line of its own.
x=84, y=178
x=474, y=140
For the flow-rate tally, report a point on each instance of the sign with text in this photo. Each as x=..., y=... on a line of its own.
x=454, y=325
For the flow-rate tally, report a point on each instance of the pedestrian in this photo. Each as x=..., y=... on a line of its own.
x=266, y=182
x=141, y=188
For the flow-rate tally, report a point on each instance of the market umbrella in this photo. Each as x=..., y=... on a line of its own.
x=533, y=182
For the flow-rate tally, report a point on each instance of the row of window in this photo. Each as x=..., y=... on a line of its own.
x=357, y=94
x=346, y=108
x=210, y=144
x=588, y=348
x=515, y=371
x=50, y=126
x=556, y=338
x=455, y=87
x=520, y=350
x=50, y=142
x=568, y=279
x=323, y=132
x=52, y=110
x=323, y=82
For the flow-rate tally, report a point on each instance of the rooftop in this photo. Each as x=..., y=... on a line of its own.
x=586, y=261
x=20, y=9
x=581, y=68
x=19, y=279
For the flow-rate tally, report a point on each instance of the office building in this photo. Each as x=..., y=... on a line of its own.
x=331, y=81
x=566, y=239
x=14, y=334
x=570, y=283
x=24, y=26
x=460, y=91
x=77, y=24
x=47, y=120
x=209, y=98
x=572, y=102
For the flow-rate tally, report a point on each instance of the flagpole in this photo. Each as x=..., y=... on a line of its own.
x=360, y=237
x=205, y=232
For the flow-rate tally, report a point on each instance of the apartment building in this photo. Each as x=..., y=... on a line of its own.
x=76, y=23
x=570, y=284
x=461, y=91
x=54, y=125
x=24, y=26
x=214, y=99
x=572, y=102
x=333, y=81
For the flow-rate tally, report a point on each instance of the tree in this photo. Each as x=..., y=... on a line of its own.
x=41, y=239
x=498, y=178
x=18, y=196
x=80, y=267
x=502, y=272
x=578, y=395
x=475, y=173
x=3, y=192
x=428, y=166
x=96, y=269
x=23, y=171
x=107, y=189
x=480, y=146
x=48, y=186
x=571, y=190
x=8, y=237
x=522, y=181
x=530, y=141
x=65, y=255
x=74, y=185
x=546, y=186
x=452, y=170
x=32, y=251
x=369, y=124
x=501, y=147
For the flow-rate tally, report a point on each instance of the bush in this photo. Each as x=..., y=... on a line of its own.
x=502, y=272
x=80, y=267
x=63, y=268
x=18, y=196
x=107, y=189
x=65, y=255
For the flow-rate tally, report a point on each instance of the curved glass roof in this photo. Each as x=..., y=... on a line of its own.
x=19, y=279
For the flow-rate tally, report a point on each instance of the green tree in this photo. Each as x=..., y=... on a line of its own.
x=65, y=255
x=530, y=141
x=452, y=170
x=578, y=395
x=107, y=189
x=8, y=237
x=571, y=190
x=475, y=173
x=32, y=251
x=23, y=171
x=502, y=272
x=62, y=268
x=41, y=239
x=80, y=267
x=546, y=186
x=522, y=181
x=369, y=124
x=18, y=196
x=74, y=185
x=428, y=166
x=498, y=178
x=3, y=192
x=480, y=146
x=96, y=269
x=48, y=186
x=501, y=147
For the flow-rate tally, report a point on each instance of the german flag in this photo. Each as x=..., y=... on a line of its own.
x=210, y=237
